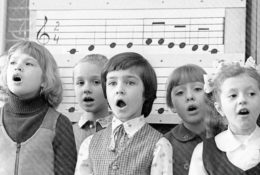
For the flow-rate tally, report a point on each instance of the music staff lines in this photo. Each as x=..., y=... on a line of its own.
x=129, y=32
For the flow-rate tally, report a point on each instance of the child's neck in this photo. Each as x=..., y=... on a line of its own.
x=246, y=131
x=97, y=115
x=198, y=128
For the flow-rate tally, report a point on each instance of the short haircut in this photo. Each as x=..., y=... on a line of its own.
x=182, y=75
x=128, y=60
x=52, y=91
x=97, y=59
x=232, y=70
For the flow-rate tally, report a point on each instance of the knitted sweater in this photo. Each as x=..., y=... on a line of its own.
x=22, y=118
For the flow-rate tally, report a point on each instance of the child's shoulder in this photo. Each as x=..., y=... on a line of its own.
x=180, y=133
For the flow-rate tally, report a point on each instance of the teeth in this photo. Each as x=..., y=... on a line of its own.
x=192, y=108
x=87, y=99
x=243, y=111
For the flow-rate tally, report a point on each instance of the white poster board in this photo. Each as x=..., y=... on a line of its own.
x=168, y=33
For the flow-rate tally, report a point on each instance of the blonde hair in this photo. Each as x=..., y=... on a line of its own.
x=97, y=59
x=52, y=90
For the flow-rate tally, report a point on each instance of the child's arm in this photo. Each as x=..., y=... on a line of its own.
x=162, y=160
x=196, y=164
x=83, y=166
x=65, y=153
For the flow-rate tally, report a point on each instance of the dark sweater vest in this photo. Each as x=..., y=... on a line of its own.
x=216, y=162
x=35, y=156
x=183, y=142
x=135, y=158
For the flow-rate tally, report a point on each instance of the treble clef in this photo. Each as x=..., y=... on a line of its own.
x=42, y=36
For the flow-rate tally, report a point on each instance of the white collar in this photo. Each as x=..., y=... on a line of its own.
x=104, y=122
x=130, y=126
x=226, y=141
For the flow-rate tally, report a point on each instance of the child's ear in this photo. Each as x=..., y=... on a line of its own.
x=219, y=109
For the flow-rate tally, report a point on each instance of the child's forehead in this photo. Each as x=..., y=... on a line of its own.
x=235, y=82
x=188, y=84
x=130, y=72
x=87, y=69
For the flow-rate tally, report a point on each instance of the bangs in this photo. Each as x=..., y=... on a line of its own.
x=186, y=75
x=31, y=49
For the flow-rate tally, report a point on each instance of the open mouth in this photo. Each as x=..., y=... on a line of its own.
x=17, y=78
x=192, y=108
x=243, y=111
x=120, y=103
x=88, y=99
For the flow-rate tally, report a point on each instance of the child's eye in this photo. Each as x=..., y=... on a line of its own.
x=28, y=64
x=111, y=83
x=12, y=62
x=232, y=96
x=179, y=93
x=131, y=83
x=96, y=82
x=79, y=83
x=198, y=89
x=252, y=93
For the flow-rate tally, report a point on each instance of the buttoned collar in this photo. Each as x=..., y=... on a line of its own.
x=183, y=134
x=227, y=141
x=130, y=126
x=104, y=122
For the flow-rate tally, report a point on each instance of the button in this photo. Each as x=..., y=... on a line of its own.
x=114, y=167
x=186, y=166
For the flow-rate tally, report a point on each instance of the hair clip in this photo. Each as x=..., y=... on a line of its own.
x=218, y=65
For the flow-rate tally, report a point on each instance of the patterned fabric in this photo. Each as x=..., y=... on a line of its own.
x=217, y=163
x=84, y=127
x=134, y=159
x=121, y=139
x=183, y=143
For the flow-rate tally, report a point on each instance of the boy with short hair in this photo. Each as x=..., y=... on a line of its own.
x=129, y=145
x=89, y=94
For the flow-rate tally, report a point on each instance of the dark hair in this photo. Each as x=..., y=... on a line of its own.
x=147, y=74
x=181, y=75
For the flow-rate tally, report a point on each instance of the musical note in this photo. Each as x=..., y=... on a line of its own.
x=43, y=37
x=214, y=51
x=73, y=51
x=158, y=29
x=182, y=45
x=129, y=45
x=161, y=41
x=92, y=46
x=195, y=47
x=205, y=47
x=148, y=41
x=112, y=45
x=171, y=45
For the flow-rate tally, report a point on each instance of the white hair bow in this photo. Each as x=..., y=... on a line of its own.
x=218, y=64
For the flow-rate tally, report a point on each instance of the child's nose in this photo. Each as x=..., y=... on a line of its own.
x=242, y=100
x=19, y=68
x=120, y=89
x=189, y=96
x=87, y=88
